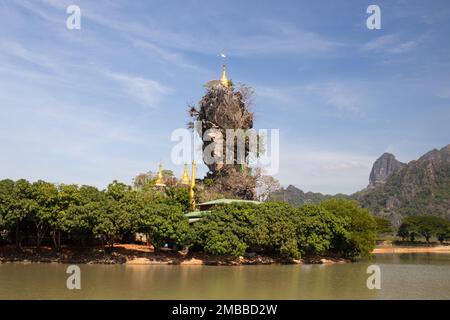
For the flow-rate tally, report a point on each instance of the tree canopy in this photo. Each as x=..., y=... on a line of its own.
x=42, y=212
x=425, y=226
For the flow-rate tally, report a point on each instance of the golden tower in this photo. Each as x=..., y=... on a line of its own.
x=185, y=176
x=192, y=186
x=224, y=79
x=160, y=178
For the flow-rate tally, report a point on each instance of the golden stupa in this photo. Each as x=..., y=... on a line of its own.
x=160, y=178
x=185, y=177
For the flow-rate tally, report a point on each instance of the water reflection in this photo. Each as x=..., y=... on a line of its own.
x=404, y=276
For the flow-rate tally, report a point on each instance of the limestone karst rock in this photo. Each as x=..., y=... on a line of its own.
x=221, y=108
x=383, y=167
x=225, y=107
x=421, y=187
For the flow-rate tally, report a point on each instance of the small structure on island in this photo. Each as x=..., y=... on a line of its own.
x=206, y=207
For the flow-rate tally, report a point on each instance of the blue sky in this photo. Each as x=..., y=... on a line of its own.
x=92, y=105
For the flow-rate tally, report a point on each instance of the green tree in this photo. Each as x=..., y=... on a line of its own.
x=44, y=209
x=403, y=231
x=318, y=230
x=83, y=213
x=17, y=205
x=276, y=222
x=163, y=222
x=119, y=217
x=426, y=226
x=383, y=225
x=361, y=227
x=443, y=234
x=176, y=195
x=104, y=226
x=227, y=230
x=7, y=205
x=67, y=197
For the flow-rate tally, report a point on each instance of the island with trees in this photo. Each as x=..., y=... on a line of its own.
x=42, y=221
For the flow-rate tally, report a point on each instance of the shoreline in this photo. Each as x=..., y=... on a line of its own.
x=130, y=254
x=145, y=255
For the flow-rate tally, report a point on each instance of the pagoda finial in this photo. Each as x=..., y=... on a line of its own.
x=185, y=176
x=224, y=79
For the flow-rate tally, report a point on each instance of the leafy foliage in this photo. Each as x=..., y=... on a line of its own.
x=383, y=225
x=164, y=222
x=68, y=214
x=426, y=226
x=280, y=229
x=361, y=226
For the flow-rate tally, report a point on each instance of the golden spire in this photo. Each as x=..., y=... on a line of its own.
x=185, y=176
x=192, y=186
x=224, y=79
x=159, y=178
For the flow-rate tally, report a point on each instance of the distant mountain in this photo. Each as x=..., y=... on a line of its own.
x=297, y=197
x=384, y=167
x=421, y=187
x=396, y=189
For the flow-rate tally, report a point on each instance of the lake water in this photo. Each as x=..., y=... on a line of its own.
x=403, y=276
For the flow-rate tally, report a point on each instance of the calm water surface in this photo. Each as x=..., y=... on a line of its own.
x=403, y=276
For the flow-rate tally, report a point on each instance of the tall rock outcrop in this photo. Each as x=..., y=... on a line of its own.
x=422, y=187
x=384, y=167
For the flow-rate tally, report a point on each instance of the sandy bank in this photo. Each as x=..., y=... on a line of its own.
x=411, y=249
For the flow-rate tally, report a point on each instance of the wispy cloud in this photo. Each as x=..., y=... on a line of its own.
x=347, y=97
x=273, y=37
x=280, y=38
x=344, y=97
x=130, y=32
x=166, y=55
x=18, y=51
x=147, y=91
x=391, y=43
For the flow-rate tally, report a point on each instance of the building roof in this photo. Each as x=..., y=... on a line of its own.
x=196, y=214
x=227, y=201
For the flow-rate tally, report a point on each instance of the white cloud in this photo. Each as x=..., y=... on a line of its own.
x=276, y=94
x=280, y=38
x=18, y=51
x=389, y=43
x=147, y=91
x=346, y=97
x=273, y=37
x=167, y=55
